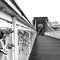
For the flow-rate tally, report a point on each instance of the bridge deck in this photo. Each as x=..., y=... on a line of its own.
x=45, y=48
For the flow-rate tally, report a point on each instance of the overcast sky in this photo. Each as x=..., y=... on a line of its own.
x=41, y=8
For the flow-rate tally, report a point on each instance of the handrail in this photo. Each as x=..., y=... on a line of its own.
x=20, y=19
x=16, y=24
x=15, y=4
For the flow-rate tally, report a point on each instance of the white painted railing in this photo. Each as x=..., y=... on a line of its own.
x=55, y=34
x=25, y=31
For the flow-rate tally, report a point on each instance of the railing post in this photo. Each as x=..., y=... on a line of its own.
x=29, y=42
x=15, y=39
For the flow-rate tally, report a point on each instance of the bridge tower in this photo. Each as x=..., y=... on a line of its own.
x=40, y=20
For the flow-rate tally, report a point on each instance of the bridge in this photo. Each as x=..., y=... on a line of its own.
x=18, y=37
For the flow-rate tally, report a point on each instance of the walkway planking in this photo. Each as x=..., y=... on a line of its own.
x=45, y=48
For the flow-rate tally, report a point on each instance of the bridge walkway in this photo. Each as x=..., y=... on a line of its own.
x=45, y=48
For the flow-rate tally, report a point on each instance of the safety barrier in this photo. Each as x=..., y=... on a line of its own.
x=18, y=37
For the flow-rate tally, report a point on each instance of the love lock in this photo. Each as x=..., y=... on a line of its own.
x=9, y=46
x=4, y=51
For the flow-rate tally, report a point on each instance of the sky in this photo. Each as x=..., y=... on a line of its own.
x=41, y=8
